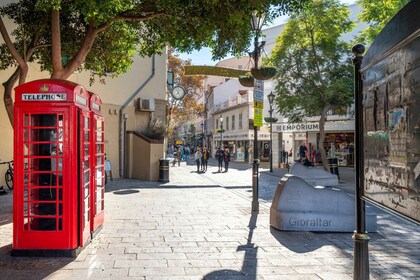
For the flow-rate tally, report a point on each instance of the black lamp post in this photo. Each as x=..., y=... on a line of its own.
x=202, y=135
x=221, y=131
x=271, y=100
x=257, y=21
x=360, y=236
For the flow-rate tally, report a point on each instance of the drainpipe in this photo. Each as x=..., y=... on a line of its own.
x=122, y=153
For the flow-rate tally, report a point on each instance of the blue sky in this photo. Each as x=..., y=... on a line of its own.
x=203, y=57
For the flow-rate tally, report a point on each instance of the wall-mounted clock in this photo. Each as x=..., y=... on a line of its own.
x=178, y=92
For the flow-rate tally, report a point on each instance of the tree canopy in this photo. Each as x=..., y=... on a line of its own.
x=377, y=14
x=102, y=36
x=314, y=74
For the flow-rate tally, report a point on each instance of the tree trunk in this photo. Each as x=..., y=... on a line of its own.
x=7, y=98
x=322, y=151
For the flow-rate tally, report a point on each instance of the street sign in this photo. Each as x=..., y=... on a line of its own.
x=258, y=102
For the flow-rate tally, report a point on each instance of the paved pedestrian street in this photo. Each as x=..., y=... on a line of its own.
x=200, y=226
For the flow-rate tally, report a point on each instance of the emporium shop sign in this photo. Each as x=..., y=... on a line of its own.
x=314, y=126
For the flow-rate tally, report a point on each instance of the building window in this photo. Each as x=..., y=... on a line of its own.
x=240, y=120
x=227, y=123
x=217, y=124
x=233, y=122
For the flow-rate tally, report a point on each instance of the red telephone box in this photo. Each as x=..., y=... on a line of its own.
x=52, y=159
x=98, y=161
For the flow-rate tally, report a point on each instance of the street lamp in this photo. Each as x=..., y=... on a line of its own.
x=202, y=135
x=360, y=236
x=257, y=22
x=221, y=131
x=271, y=100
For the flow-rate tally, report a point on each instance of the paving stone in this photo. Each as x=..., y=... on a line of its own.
x=200, y=226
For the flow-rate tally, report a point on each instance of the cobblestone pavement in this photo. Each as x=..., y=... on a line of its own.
x=199, y=226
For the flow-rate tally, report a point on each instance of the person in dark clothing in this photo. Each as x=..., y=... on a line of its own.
x=302, y=151
x=220, y=154
x=306, y=162
x=226, y=159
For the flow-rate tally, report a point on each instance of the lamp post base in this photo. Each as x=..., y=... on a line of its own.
x=255, y=202
x=361, y=256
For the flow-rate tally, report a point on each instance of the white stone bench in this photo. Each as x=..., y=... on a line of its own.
x=299, y=206
x=314, y=176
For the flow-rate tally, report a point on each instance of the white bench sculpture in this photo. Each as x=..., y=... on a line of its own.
x=314, y=176
x=299, y=206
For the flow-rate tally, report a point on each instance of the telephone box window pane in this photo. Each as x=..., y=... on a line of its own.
x=46, y=209
x=86, y=176
x=25, y=194
x=25, y=120
x=25, y=135
x=99, y=160
x=43, y=120
x=25, y=179
x=25, y=209
x=86, y=149
x=39, y=149
x=99, y=198
x=57, y=164
x=44, y=224
x=86, y=119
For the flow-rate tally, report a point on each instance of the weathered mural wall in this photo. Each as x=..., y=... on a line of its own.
x=391, y=115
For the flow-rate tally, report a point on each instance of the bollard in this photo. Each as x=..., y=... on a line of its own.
x=164, y=170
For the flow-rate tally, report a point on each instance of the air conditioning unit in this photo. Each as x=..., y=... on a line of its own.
x=145, y=104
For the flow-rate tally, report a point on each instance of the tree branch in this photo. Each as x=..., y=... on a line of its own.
x=56, y=43
x=10, y=46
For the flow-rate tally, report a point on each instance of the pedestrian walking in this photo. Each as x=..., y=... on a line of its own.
x=302, y=151
x=226, y=159
x=220, y=154
x=197, y=157
x=204, y=160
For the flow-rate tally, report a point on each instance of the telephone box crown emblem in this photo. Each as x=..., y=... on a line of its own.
x=44, y=88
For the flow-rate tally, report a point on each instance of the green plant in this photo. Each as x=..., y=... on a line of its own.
x=155, y=130
x=246, y=81
x=263, y=73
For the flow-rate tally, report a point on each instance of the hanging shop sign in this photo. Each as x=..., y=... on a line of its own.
x=314, y=126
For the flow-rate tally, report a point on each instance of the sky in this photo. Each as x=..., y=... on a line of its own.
x=203, y=57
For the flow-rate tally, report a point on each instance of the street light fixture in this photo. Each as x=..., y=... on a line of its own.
x=257, y=22
x=271, y=100
x=221, y=131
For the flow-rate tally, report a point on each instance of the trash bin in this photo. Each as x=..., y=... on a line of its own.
x=164, y=170
x=333, y=163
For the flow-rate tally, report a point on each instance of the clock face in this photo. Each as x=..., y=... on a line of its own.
x=178, y=92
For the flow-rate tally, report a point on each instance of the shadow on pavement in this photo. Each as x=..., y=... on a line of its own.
x=28, y=267
x=249, y=266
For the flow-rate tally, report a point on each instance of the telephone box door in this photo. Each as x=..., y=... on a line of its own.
x=85, y=180
x=40, y=196
x=98, y=180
